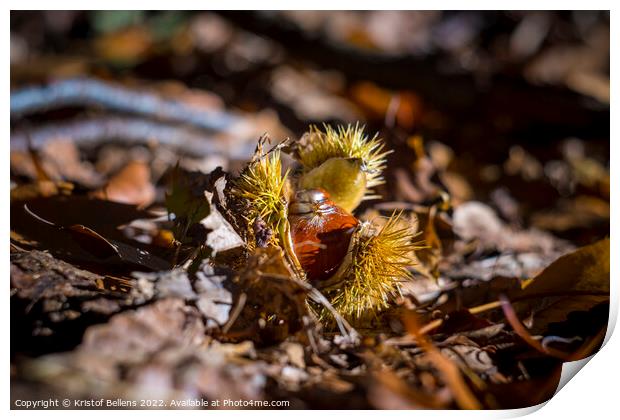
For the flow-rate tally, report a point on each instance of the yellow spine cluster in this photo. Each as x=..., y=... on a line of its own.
x=263, y=184
x=378, y=261
x=345, y=142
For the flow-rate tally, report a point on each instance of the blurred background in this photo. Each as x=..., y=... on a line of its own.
x=509, y=108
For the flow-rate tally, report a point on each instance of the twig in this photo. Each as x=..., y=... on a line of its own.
x=433, y=325
x=584, y=351
x=496, y=304
x=522, y=332
x=345, y=328
x=91, y=92
x=475, y=310
x=133, y=130
x=235, y=312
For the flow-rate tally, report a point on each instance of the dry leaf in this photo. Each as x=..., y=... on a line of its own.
x=575, y=282
x=221, y=236
x=132, y=185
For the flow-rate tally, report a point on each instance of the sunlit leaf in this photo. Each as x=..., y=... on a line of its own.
x=574, y=282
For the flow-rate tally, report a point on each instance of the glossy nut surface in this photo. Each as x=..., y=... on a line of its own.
x=321, y=232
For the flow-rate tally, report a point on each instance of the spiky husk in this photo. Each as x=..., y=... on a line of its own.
x=344, y=142
x=263, y=185
x=378, y=261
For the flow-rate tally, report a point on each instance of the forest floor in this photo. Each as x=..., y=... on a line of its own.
x=500, y=162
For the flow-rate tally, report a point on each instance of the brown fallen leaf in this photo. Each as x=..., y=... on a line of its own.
x=574, y=282
x=132, y=185
x=31, y=164
x=63, y=157
x=40, y=189
x=58, y=160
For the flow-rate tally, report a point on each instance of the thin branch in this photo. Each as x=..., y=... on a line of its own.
x=436, y=323
x=235, y=312
x=84, y=92
x=522, y=332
